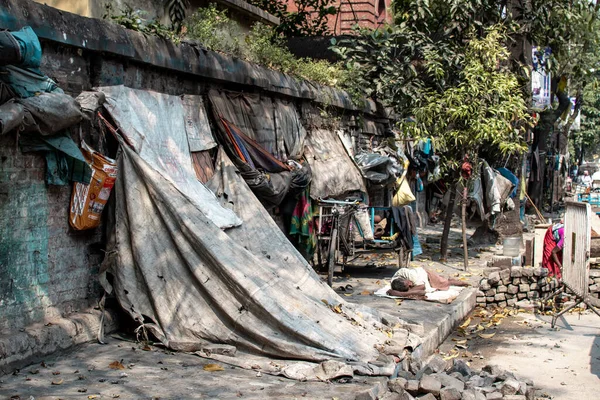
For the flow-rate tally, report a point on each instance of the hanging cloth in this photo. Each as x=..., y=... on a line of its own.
x=302, y=225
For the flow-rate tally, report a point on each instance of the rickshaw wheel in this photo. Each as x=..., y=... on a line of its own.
x=331, y=257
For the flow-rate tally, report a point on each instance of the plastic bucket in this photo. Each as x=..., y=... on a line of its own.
x=511, y=246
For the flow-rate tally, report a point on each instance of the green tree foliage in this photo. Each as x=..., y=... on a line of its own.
x=586, y=141
x=262, y=45
x=422, y=51
x=310, y=19
x=484, y=109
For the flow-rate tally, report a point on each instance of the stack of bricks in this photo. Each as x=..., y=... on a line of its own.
x=507, y=286
x=595, y=283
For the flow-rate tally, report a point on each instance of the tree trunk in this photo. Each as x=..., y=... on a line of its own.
x=540, y=143
x=447, y=222
x=464, y=227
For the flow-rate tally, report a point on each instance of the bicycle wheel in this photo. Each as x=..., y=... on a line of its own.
x=331, y=257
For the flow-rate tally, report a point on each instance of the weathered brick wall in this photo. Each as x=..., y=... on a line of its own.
x=46, y=269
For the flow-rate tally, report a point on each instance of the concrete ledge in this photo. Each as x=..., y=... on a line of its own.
x=41, y=339
x=459, y=309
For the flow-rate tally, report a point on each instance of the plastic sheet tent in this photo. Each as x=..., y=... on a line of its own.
x=161, y=128
x=191, y=284
x=334, y=172
x=273, y=124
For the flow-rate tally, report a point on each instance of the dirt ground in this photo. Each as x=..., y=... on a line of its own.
x=563, y=362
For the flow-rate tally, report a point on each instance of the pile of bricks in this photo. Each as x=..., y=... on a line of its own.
x=595, y=283
x=508, y=286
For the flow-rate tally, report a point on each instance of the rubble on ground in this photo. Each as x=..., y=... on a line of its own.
x=455, y=380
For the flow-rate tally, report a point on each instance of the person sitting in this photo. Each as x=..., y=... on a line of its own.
x=586, y=179
x=554, y=241
x=417, y=282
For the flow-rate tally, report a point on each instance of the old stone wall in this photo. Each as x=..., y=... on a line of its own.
x=46, y=269
x=522, y=286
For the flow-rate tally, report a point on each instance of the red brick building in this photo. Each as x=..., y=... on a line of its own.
x=366, y=13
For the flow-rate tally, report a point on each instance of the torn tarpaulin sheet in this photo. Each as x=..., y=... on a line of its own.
x=334, y=173
x=190, y=283
x=274, y=180
x=273, y=124
x=157, y=126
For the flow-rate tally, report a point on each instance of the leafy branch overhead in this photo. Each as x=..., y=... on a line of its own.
x=484, y=110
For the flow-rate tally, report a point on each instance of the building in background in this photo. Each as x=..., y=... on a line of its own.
x=239, y=10
x=366, y=13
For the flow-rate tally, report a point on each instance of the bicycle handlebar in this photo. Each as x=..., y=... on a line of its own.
x=346, y=203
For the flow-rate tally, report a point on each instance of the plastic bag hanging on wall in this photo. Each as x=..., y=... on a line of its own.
x=88, y=201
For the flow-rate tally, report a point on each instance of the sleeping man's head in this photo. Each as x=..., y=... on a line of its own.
x=401, y=285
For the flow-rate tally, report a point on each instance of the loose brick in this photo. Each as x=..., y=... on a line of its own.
x=515, y=272
x=523, y=288
x=527, y=272
x=505, y=274
x=513, y=289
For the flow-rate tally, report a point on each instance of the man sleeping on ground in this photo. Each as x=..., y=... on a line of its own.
x=415, y=283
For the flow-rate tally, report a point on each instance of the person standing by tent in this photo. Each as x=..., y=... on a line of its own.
x=553, y=244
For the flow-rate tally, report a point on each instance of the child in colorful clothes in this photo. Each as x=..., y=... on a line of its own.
x=554, y=241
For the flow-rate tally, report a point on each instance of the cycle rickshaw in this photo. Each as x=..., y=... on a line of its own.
x=342, y=235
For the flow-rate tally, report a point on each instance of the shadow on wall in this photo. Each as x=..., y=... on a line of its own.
x=595, y=357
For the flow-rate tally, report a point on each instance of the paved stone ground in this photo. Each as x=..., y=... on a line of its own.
x=84, y=373
x=158, y=373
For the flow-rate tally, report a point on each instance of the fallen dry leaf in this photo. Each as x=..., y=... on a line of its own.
x=58, y=382
x=486, y=335
x=465, y=324
x=213, y=368
x=325, y=302
x=365, y=293
x=116, y=365
x=92, y=396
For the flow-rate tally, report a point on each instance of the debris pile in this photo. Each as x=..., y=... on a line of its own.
x=514, y=286
x=445, y=380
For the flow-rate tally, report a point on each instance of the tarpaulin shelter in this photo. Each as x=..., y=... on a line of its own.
x=334, y=172
x=190, y=283
x=157, y=126
x=260, y=134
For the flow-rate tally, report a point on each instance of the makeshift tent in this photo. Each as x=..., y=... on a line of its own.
x=157, y=127
x=257, y=145
x=273, y=124
x=334, y=173
x=190, y=283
